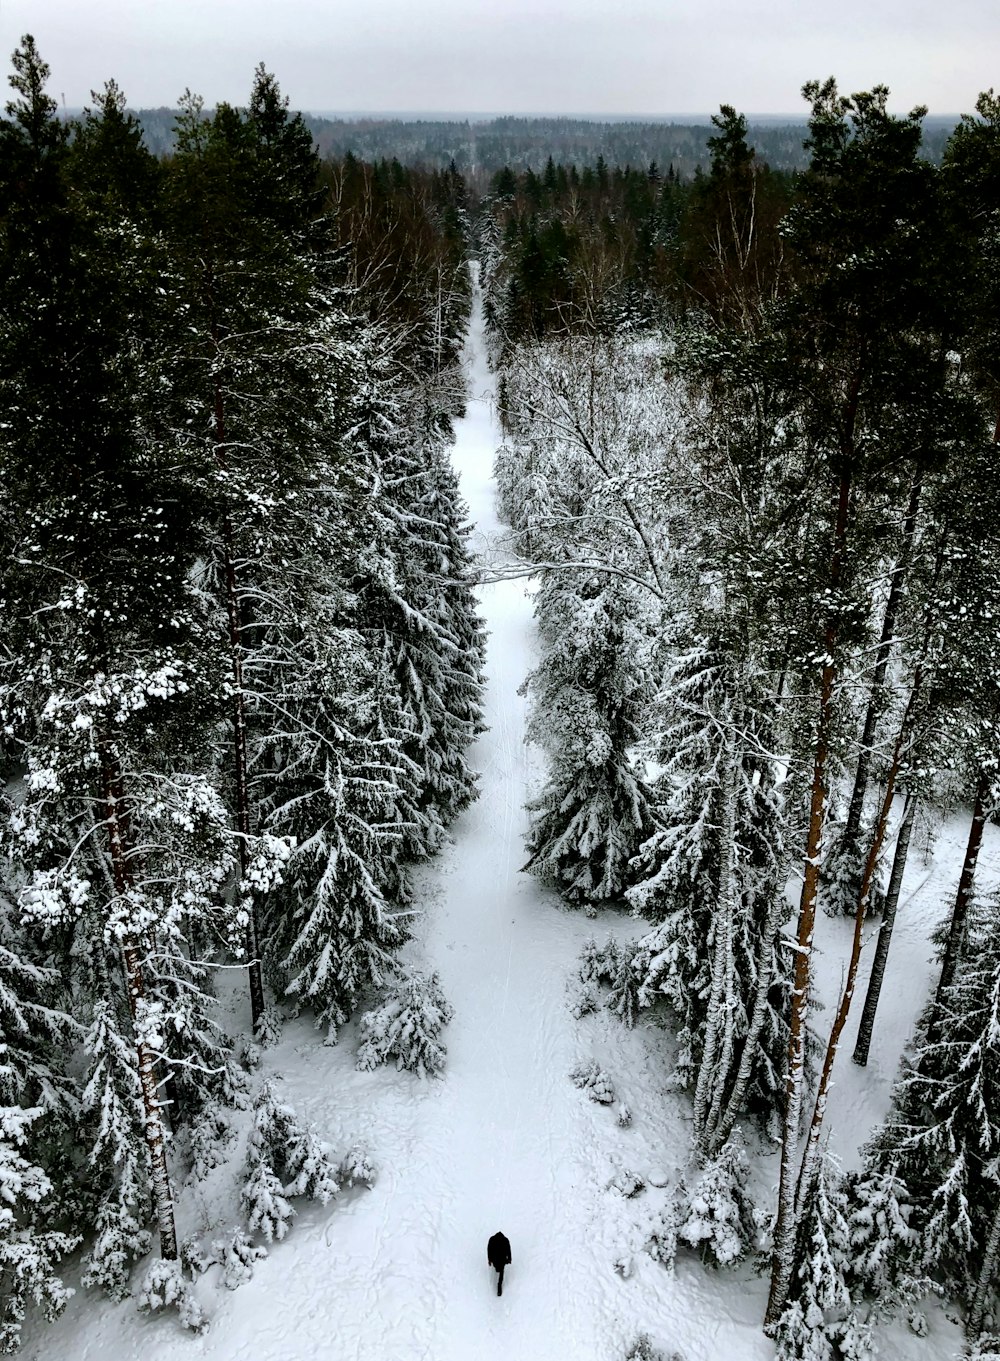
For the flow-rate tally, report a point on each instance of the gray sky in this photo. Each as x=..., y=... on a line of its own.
x=552, y=56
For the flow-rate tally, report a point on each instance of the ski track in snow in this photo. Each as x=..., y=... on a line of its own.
x=504, y=1140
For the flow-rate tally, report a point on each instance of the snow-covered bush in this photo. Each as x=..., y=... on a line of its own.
x=984, y=1348
x=407, y=1027
x=164, y=1287
x=628, y=1184
x=356, y=1168
x=194, y=1259
x=284, y=1159
x=662, y=1241
x=611, y=966
x=117, y=1155
x=593, y=1080
x=211, y=1136
x=28, y=1255
x=820, y=1321
x=717, y=1216
x=843, y=871
x=643, y=1350
x=267, y=1209
x=236, y=1256
x=585, y=1001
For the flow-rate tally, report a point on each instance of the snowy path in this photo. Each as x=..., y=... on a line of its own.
x=495, y=1145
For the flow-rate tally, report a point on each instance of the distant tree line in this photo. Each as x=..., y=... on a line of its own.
x=481, y=148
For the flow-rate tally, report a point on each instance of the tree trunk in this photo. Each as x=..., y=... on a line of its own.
x=897, y=584
x=135, y=990
x=867, y=1025
x=966, y=884
x=977, y=1305
x=723, y=1127
x=242, y=791
x=783, y=1251
x=810, y=1155
x=711, y=1072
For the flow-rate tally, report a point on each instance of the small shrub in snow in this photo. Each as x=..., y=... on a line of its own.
x=356, y=1168
x=984, y=1348
x=211, y=1136
x=662, y=1241
x=267, y=1210
x=820, y=1321
x=120, y=1239
x=717, y=1216
x=592, y=1079
x=194, y=1258
x=599, y=963
x=643, y=1350
x=268, y=1031
x=407, y=1027
x=164, y=1287
x=843, y=872
x=250, y=1056
x=236, y=1257
x=623, y=1116
x=628, y=1184
x=916, y=1321
x=610, y=965
x=623, y=999
x=624, y=1266
x=284, y=1158
x=585, y=1002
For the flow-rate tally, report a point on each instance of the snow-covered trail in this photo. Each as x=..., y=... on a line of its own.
x=503, y=1141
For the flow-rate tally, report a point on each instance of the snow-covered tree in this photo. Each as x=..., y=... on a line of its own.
x=587, y=696
x=284, y=1159
x=821, y=1319
x=711, y=879
x=942, y=1136
x=716, y=1217
x=407, y=1027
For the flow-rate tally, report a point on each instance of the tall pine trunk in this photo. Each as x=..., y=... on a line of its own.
x=896, y=588
x=866, y=1026
x=783, y=1250
x=966, y=885
x=811, y=1152
x=116, y=819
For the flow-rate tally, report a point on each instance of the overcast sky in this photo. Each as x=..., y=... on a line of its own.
x=550, y=56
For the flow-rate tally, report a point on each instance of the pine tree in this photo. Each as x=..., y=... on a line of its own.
x=942, y=1137
x=38, y=1111
x=587, y=695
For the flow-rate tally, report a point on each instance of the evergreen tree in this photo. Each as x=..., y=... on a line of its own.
x=587, y=697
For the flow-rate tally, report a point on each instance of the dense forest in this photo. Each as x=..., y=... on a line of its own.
x=750, y=419
x=241, y=659
x=751, y=456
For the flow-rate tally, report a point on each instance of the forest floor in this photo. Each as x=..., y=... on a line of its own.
x=504, y=1140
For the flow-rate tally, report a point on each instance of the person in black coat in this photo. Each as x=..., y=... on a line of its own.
x=498, y=1256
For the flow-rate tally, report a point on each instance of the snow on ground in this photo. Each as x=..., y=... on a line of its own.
x=504, y=1140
